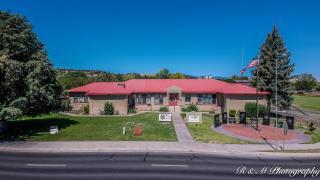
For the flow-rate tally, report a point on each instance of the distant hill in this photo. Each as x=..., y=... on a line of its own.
x=70, y=78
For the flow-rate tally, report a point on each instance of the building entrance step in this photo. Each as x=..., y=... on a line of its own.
x=174, y=108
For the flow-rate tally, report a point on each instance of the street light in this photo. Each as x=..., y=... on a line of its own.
x=278, y=55
x=276, y=59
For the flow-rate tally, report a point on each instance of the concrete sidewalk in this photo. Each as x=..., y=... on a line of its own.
x=148, y=146
x=181, y=129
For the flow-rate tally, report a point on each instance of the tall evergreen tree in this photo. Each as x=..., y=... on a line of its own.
x=274, y=49
x=28, y=84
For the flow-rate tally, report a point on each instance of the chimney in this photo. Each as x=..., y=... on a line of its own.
x=123, y=85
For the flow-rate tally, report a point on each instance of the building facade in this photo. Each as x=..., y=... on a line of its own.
x=152, y=94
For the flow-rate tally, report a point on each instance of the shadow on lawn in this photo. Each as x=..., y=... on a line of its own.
x=24, y=129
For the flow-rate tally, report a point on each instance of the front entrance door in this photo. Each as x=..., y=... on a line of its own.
x=173, y=99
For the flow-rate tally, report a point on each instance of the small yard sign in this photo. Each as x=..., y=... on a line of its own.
x=164, y=117
x=137, y=131
x=54, y=130
x=194, y=117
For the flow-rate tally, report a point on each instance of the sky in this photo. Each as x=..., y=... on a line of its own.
x=199, y=37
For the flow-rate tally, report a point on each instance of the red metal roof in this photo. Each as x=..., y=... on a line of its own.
x=102, y=88
x=162, y=85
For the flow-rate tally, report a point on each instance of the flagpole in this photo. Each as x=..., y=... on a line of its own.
x=257, y=98
x=276, y=59
x=242, y=55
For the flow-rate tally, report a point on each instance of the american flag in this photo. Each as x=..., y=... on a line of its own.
x=253, y=63
x=243, y=70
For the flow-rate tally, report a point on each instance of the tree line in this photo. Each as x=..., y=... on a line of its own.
x=73, y=78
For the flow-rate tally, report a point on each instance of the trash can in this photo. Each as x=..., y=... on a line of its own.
x=243, y=117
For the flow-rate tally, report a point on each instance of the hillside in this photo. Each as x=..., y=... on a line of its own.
x=70, y=78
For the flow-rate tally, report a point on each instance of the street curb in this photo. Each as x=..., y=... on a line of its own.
x=218, y=153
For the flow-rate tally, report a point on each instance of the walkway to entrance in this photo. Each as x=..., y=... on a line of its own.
x=182, y=131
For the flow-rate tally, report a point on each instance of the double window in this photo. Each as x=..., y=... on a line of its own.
x=187, y=98
x=143, y=99
x=146, y=98
x=80, y=99
x=206, y=98
x=158, y=99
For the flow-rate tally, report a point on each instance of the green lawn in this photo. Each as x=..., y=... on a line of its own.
x=204, y=133
x=75, y=128
x=308, y=102
x=315, y=136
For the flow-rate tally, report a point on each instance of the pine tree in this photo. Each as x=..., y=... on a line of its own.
x=274, y=49
x=28, y=84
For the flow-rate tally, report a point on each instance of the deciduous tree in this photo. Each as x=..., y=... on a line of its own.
x=28, y=83
x=306, y=83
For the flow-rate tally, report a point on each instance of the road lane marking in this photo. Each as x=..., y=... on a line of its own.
x=170, y=165
x=47, y=165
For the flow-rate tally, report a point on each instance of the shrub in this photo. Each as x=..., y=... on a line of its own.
x=10, y=113
x=164, y=109
x=232, y=113
x=183, y=115
x=311, y=127
x=20, y=103
x=86, y=109
x=132, y=110
x=108, y=108
x=190, y=108
x=65, y=105
x=251, y=110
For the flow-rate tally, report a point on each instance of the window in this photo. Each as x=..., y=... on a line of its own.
x=206, y=98
x=187, y=98
x=148, y=99
x=80, y=99
x=214, y=99
x=158, y=99
x=143, y=99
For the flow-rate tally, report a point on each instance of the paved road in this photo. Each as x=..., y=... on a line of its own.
x=182, y=131
x=142, y=166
